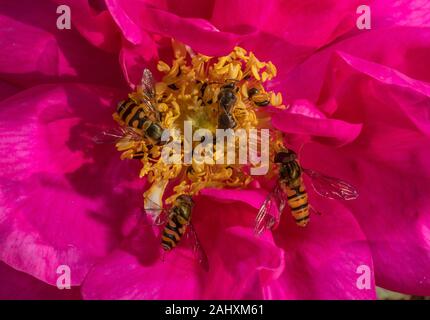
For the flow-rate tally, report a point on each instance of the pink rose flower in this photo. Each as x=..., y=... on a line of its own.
x=359, y=99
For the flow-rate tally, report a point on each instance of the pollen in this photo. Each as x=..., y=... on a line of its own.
x=189, y=90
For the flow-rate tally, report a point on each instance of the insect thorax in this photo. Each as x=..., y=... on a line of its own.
x=290, y=173
x=154, y=131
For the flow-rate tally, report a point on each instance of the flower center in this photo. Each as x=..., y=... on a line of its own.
x=209, y=93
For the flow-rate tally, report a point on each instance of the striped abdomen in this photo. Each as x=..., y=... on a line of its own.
x=138, y=155
x=132, y=114
x=298, y=203
x=175, y=228
x=135, y=116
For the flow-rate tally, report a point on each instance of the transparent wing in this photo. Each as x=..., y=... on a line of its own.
x=114, y=135
x=147, y=86
x=198, y=250
x=281, y=197
x=270, y=212
x=191, y=234
x=161, y=218
x=330, y=187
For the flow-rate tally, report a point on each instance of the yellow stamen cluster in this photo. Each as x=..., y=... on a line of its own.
x=189, y=92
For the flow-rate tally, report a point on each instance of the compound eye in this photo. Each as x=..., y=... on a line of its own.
x=252, y=92
x=280, y=157
x=229, y=86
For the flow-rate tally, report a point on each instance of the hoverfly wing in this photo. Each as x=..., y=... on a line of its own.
x=330, y=187
x=147, y=220
x=114, y=135
x=108, y=136
x=147, y=85
x=132, y=134
x=269, y=214
x=281, y=198
x=198, y=250
x=161, y=218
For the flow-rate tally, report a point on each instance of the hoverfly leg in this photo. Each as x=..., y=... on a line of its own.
x=315, y=211
x=198, y=251
x=158, y=221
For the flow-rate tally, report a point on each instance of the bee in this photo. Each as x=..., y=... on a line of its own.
x=227, y=99
x=142, y=114
x=290, y=190
x=177, y=225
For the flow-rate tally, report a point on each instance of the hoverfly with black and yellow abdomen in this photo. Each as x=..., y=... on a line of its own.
x=176, y=222
x=290, y=190
x=138, y=114
x=141, y=112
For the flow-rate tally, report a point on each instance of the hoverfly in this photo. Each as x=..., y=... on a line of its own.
x=290, y=190
x=177, y=225
x=140, y=117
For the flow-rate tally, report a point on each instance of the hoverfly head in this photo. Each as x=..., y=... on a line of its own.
x=186, y=199
x=285, y=156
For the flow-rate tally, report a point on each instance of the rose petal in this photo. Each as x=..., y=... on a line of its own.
x=416, y=110
x=406, y=13
x=94, y=22
x=17, y=285
x=7, y=90
x=134, y=59
x=62, y=198
x=334, y=131
x=302, y=23
x=401, y=48
x=323, y=260
x=253, y=197
x=388, y=163
x=246, y=267
x=136, y=18
x=35, y=51
x=185, y=8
